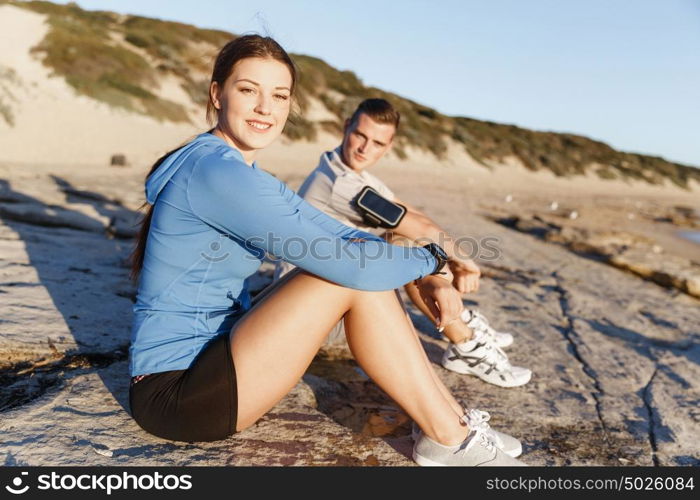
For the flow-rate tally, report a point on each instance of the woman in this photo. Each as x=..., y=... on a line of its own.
x=206, y=364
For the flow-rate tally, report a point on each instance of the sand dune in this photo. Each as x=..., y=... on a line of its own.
x=52, y=124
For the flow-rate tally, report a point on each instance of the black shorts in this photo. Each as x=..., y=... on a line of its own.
x=197, y=404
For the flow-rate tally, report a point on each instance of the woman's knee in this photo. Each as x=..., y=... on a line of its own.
x=299, y=283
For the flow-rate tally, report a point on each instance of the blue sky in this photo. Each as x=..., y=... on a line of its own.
x=626, y=72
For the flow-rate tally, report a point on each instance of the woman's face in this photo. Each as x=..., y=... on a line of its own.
x=253, y=104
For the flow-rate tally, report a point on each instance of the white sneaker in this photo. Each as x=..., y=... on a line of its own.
x=477, y=321
x=479, y=419
x=475, y=451
x=482, y=358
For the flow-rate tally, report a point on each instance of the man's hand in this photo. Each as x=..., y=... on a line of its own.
x=466, y=274
x=443, y=300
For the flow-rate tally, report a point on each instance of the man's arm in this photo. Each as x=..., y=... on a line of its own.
x=416, y=226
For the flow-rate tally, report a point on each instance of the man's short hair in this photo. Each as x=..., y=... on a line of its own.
x=379, y=110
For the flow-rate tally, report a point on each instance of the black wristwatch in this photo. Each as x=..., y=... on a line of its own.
x=439, y=254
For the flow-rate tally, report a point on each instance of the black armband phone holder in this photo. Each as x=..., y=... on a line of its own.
x=376, y=210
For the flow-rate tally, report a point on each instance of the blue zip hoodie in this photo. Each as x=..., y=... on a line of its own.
x=214, y=218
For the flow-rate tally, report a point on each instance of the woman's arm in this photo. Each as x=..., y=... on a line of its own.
x=256, y=207
x=322, y=219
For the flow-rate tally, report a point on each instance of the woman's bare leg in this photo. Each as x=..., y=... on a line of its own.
x=445, y=391
x=366, y=347
x=276, y=341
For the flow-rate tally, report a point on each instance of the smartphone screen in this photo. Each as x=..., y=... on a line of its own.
x=381, y=206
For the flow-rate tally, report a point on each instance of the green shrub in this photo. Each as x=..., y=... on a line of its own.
x=6, y=113
x=78, y=46
x=165, y=110
x=9, y=76
x=606, y=173
x=332, y=127
x=298, y=127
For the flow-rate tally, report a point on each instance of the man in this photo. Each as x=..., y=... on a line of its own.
x=474, y=346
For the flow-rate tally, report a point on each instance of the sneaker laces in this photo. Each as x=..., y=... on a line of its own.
x=476, y=436
x=478, y=322
x=482, y=318
x=477, y=419
x=494, y=354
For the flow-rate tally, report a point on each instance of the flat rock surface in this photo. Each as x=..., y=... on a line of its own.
x=83, y=421
x=615, y=358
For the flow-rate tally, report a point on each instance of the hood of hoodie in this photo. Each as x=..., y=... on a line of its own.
x=158, y=179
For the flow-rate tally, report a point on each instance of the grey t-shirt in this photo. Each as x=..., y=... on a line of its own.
x=331, y=187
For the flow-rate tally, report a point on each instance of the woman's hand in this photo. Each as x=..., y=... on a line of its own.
x=442, y=299
x=466, y=274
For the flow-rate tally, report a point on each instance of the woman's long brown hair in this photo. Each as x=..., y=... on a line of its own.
x=236, y=50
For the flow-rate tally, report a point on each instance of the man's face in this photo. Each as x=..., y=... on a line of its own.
x=365, y=142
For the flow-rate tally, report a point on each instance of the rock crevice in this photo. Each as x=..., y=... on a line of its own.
x=569, y=332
